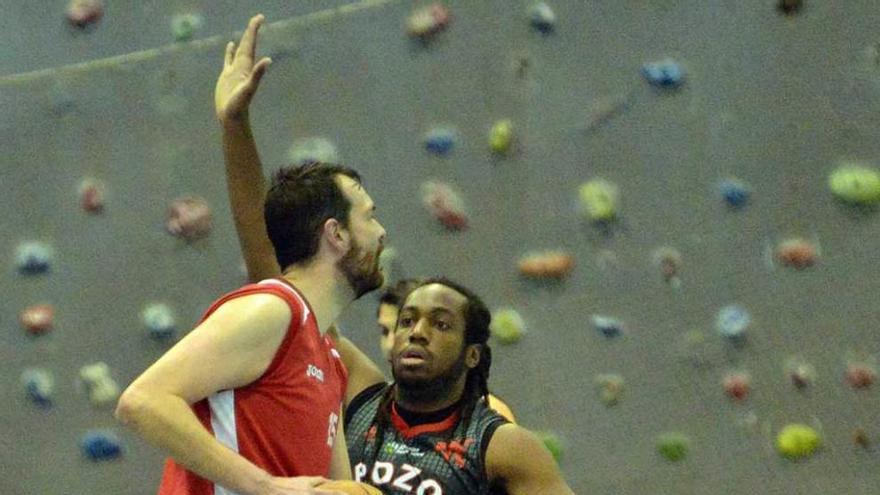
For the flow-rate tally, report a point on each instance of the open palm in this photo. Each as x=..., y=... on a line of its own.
x=240, y=76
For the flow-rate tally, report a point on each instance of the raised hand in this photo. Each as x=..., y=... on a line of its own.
x=240, y=76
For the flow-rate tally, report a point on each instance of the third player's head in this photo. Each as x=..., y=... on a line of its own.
x=386, y=315
x=321, y=212
x=440, y=344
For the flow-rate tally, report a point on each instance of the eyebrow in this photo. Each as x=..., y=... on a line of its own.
x=431, y=311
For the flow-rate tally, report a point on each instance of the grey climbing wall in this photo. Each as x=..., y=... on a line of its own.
x=777, y=101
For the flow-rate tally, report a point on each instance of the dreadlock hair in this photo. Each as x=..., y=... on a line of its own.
x=477, y=318
x=300, y=199
x=396, y=294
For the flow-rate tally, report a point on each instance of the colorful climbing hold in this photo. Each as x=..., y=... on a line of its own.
x=598, y=200
x=440, y=140
x=673, y=446
x=445, y=204
x=607, y=326
x=38, y=318
x=84, y=13
x=737, y=385
x=33, y=257
x=546, y=265
x=101, y=445
x=801, y=373
x=38, y=384
x=797, y=441
x=427, y=21
x=542, y=17
x=610, y=387
x=668, y=261
x=501, y=137
x=665, y=73
x=159, y=321
x=507, y=326
x=184, y=26
x=553, y=443
x=189, y=218
x=797, y=253
x=91, y=195
x=734, y=192
x=860, y=375
x=856, y=184
x=732, y=322
x=101, y=387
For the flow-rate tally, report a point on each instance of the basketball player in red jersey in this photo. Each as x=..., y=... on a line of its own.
x=249, y=402
x=431, y=432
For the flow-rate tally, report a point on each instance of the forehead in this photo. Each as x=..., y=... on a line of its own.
x=436, y=297
x=354, y=191
x=387, y=312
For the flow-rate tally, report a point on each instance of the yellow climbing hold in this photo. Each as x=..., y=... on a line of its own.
x=501, y=136
x=797, y=441
x=856, y=184
x=599, y=200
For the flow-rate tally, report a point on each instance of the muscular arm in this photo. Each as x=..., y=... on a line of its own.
x=518, y=460
x=231, y=348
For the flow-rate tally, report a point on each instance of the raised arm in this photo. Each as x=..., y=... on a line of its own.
x=518, y=460
x=236, y=86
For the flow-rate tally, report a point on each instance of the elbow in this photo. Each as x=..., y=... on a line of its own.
x=131, y=406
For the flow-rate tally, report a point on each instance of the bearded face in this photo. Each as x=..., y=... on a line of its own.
x=361, y=269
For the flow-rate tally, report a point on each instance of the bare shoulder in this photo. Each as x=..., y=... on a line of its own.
x=517, y=459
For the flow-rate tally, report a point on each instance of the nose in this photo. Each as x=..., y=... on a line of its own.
x=419, y=331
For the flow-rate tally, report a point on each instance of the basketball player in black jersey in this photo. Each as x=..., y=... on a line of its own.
x=429, y=432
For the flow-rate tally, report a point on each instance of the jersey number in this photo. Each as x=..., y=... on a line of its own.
x=383, y=473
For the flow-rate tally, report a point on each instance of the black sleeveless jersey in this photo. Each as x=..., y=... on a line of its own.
x=444, y=458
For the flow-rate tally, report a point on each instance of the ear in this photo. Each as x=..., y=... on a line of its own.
x=472, y=355
x=336, y=235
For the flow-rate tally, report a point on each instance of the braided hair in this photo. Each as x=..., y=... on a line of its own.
x=477, y=318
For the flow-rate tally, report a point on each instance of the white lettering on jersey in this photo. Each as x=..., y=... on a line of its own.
x=387, y=472
x=360, y=471
x=314, y=371
x=429, y=485
x=409, y=472
x=331, y=429
x=384, y=472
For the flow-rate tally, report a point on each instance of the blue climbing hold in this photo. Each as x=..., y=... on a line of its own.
x=732, y=322
x=608, y=326
x=99, y=445
x=734, y=192
x=33, y=257
x=440, y=141
x=666, y=73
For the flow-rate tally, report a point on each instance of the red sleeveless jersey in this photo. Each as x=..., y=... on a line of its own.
x=285, y=422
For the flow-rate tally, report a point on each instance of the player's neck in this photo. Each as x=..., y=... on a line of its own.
x=428, y=399
x=327, y=292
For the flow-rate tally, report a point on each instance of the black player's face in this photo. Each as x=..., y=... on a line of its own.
x=429, y=345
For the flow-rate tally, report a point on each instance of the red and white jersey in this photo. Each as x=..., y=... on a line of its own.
x=286, y=421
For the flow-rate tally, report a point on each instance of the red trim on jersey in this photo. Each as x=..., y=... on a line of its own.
x=410, y=432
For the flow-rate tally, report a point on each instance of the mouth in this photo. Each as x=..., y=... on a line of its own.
x=413, y=356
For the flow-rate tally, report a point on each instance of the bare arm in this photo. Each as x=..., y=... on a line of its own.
x=519, y=461
x=231, y=348
x=362, y=371
x=235, y=88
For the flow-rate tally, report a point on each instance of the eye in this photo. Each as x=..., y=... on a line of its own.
x=443, y=325
x=405, y=321
x=385, y=331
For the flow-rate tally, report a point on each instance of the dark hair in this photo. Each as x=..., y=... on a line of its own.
x=395, y=294
x=477, y=318
x=299, y=201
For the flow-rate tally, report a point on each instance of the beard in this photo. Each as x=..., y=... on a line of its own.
x=361, y=269
x=420, y=390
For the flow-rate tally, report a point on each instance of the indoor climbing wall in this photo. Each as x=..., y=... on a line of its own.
x=670, y=206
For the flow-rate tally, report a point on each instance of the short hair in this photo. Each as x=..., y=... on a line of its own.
x=396, y=293
x=300, y=199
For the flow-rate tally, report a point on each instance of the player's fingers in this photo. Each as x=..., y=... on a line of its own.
x=230, y=53
x=248, y=44
x=258, y=72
